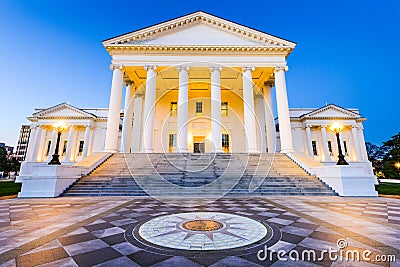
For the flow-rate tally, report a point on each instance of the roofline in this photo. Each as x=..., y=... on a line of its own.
x=327, y=106
x=198, y=11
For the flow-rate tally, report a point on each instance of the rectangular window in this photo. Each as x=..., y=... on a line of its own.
x=80, y=149
x=48, y=147
x=64, y=148
x=171, y=142
x=314, y=148
x=224, y=109
x=174, y=107
x=199, y=108
x=330, y=148
x=346, y=151
x=225, y=142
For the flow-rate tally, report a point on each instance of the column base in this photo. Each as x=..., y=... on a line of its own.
x=110, y=150
x=182, y=151
x=218, y=150
x=253, y=151
x=289, y=150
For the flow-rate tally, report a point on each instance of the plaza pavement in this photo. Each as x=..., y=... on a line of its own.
x=89, y=231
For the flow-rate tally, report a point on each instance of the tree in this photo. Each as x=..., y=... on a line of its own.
x=3, y=160
x=375, y=155
x=391, y=149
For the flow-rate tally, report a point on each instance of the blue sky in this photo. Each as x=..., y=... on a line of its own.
x=346, y=52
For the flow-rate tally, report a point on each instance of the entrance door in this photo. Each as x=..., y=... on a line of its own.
x=198, y=147
x=198, y=144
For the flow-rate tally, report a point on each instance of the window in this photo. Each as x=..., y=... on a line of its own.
x=224, y=109
x=80, y=149
x=314, y=148
x=346, y=151
x=330, y=148
x=64, y=148
x=199, y=108
x=225, y=142
x=171, y=142
x=48, y=147
x=174, y=107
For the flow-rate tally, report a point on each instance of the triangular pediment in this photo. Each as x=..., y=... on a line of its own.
x=201, y=35
x=199, y=29
x=62, y=110
x=331, y=111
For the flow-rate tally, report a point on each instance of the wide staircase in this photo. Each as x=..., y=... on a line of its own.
x=198, y=175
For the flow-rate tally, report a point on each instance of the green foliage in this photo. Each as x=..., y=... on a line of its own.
x=385, y=157
x=392, y=156
x=9, y=188
x=388, y=189
x=8, y=164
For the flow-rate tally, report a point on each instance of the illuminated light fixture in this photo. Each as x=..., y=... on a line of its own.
x=337, y=128
x=60, y=126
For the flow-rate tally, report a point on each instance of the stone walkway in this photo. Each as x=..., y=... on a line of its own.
x=75, y=231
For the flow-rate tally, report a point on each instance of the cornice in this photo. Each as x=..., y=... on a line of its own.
x=186, y=49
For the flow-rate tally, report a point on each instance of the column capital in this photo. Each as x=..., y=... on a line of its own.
x=129, y=83
x=308, y=126
x=279, y=68
x=180, y=68
x=269, y=83
x=150, y=67
x=246, y=68
x=116, y=66
x=215, y=68
x=323, y=126
x=34, y=126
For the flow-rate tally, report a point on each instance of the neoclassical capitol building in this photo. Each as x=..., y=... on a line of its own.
x=197, y=84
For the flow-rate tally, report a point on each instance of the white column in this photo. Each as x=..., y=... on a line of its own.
x=356, y=142
x=309, y=140
x=86, y=142
x=260, y=123
x=249, y=115
x=364, y=154
x=325, y=144
x=183, y=97
x=127, y=123
x=137, y=123
x=149, y=106
x=34, y=146
x=69, y=145
x=31, y=142
x=52, y=145
x=283, y=110
x=114, y=109
x=269, y=118
x=216, y=129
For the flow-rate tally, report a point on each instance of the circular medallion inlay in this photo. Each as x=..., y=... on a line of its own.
x=202, y=225
x=201, y=231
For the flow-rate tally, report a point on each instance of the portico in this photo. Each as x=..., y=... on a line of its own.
x=198, y=75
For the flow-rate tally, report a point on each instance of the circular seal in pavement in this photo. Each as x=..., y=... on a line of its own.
x=202, y=232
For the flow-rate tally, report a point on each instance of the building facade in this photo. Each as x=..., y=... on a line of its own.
x=23, y=141
x=85, y=134
x=199, y=84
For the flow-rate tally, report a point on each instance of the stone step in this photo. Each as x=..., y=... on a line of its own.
x=276, y=172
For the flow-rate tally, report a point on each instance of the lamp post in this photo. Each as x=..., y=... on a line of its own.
x=337, y=128
x=59, y=127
